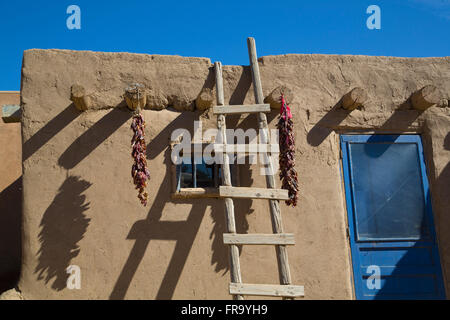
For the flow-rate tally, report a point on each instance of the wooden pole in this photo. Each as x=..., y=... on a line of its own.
x=136, y=97
x=426, y=97
x=235, y=268
x=277, y=225
x=354, y=99
x=79, y=98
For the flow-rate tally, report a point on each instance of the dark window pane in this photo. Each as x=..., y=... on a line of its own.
x=205, y=175
x=186, y=180
x=389, y=201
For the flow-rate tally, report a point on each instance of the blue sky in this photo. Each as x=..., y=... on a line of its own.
x=218, y=29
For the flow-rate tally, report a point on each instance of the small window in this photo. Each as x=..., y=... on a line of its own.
x=201, y=175
x=204, y=175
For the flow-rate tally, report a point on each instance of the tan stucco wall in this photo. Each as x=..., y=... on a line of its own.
x=10, y=195
x=80, y=206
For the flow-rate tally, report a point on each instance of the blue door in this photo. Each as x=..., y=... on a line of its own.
x=392, y=237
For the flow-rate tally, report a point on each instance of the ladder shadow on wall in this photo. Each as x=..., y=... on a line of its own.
x=183, y=232
x=54, y=255
x=69, y=205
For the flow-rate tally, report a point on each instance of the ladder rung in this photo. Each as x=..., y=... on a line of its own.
x=253, y=193
x=267, y=290
x=251, y=108
x=259, y=239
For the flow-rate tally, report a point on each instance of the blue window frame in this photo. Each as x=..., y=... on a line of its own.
x=390, y=218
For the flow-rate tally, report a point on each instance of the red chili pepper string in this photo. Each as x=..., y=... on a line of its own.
x=139, y=170
x=288, y=174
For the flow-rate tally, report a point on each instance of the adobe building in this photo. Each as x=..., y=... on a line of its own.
x=372, y=156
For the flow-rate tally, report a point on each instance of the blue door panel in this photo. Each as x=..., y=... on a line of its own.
x=406, y=287
x=390, y=218
x=395, y=271
x=404, y=257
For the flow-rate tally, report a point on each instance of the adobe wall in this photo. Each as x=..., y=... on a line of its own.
x=80, y=206
x=10, y=195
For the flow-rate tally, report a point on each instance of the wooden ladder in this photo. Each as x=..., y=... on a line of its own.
x=228, y=192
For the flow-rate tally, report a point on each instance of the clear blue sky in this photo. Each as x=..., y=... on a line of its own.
x=218, y=29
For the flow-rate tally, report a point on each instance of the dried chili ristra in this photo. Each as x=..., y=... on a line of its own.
x=288, y=174
x=139, y=170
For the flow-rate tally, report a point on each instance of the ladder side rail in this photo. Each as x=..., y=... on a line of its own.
x=235, y=268
x=277, y=226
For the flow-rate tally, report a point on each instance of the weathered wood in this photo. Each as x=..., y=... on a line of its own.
x=257, y=87
x=11, y=113
x=135, y=96
x=246, y=148
x=267, y=290
x=426, y=97
x=191, y=193
x=237, y=109
x=156, y=99
x=277, y=226
x=253, y=193
x=274, y=97
x=235, y=268
x=79, y=98
x=259, y=239
x=205, y=99
x=219, y=84
x=354, y=99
